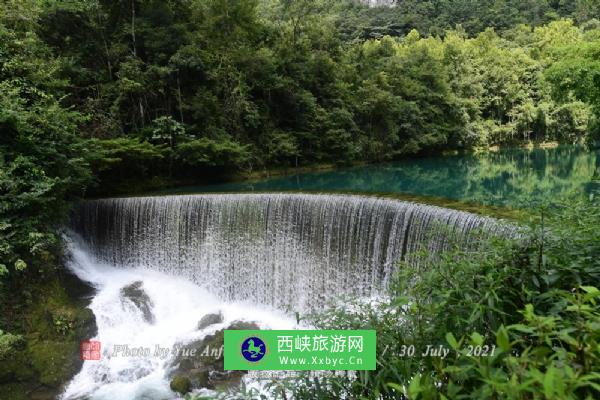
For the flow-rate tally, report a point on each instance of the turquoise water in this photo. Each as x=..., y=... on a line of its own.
x=519, y=178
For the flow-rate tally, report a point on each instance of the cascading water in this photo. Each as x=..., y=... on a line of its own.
x=284, y=250
x=245, y=255
x=379, y=3
x=176, y=306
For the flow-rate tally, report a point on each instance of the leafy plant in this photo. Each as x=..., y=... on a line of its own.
x=63, y=324
x=520, y=319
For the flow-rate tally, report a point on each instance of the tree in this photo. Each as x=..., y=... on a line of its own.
x=577, y=76
x=42, y=165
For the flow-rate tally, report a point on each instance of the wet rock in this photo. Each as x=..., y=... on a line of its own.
x=136, y=294
x=204, y=368
x=85, y=324
x=181, y=384
x=210, y=319
x=200, y=377
x=77, y=289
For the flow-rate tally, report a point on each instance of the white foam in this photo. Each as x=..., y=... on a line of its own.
x=177, y=306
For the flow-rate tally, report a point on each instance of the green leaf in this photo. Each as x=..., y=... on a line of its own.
x=451, y=340
x=502, y=339
x=396, y=387
x=549, y=382
x=20, y=265
x=591, y=290
x=528, y=312
x=414, y=388
x=477, y=339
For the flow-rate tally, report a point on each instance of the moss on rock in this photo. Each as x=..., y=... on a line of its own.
x=14, y=361
x=54, y=361
x=181, y=384
x=15, y=391
x=39, y=361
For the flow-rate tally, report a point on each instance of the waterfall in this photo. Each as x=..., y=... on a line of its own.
x=379, y=3
x=175, y=305
x=289, y=251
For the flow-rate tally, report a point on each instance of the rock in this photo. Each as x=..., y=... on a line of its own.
x=14, y=359
x=43, y=393
x=204, y=369
x=136, y=294
x=15, y=390
x=181, y=384
x=54, y=360
x=210, y=319
x=200, y=377
x=85, y=324
x=75, y=288
x=46, y=356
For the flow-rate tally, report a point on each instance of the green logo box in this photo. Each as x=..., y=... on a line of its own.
x=300, y=350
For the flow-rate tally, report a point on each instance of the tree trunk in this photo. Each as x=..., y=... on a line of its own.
x=133, y=27
x=179, y=98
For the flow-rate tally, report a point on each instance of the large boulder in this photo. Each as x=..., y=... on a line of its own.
x=135, y=294
x=204, y=366
x=210, y=319
x=37, y=363
x=181, y=384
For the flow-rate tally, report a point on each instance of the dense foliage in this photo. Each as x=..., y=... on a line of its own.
x=97, y=95
x=434, y=17
x=186, y=89
x=126, y=92
x=189, y=88
x=529, y=303
x=41, y=165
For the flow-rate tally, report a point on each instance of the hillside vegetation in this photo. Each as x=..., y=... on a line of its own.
x=102, y=96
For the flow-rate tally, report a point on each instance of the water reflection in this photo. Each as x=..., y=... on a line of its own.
x=518, y=178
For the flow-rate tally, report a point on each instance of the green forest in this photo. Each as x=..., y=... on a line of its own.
x=114, y=97
x=100, y=96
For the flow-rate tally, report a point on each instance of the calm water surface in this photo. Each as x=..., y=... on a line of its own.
x=517, y=178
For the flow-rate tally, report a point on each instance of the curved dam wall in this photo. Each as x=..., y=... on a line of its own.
x=290, y=251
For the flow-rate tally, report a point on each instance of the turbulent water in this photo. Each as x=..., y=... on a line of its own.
x=176, y=305
x=289, y=251
x=253, y=257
